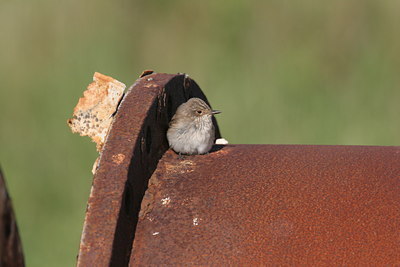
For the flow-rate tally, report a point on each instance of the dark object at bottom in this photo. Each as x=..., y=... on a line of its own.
x=10, y=243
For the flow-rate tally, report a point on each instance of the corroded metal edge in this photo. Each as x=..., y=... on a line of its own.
x=135, y=143
x=10, y=244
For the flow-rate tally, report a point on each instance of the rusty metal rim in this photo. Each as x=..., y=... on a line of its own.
x=135, y=143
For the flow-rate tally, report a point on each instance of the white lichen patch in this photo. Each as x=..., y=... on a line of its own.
x=166, y=200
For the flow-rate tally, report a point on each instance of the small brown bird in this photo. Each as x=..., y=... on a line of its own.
x=191, y=130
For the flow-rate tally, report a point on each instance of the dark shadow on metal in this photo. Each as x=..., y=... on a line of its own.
x=216, y=148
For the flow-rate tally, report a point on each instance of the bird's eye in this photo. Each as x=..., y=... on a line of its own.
x=199, y=112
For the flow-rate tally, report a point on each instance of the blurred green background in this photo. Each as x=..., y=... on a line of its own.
x=283, y=72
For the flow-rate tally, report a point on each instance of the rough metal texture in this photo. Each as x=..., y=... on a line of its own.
x=282, y=205
x=10, y=243
x=135, y=143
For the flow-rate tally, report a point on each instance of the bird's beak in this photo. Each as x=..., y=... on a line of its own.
x=215, y=112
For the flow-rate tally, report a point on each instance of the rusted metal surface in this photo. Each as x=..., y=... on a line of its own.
x=10, y=243
x=135, y=143
x=281, y=205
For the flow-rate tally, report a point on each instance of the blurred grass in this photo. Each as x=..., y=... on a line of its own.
x=282, y=72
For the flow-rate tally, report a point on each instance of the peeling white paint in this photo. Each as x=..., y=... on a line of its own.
x=155, y=233
x=195, y=221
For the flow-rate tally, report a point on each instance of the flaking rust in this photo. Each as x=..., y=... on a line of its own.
x=94, y=112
